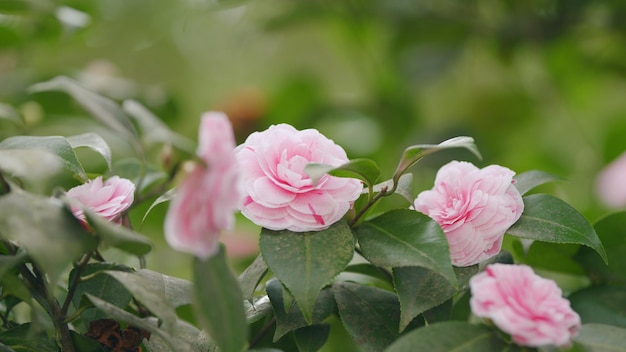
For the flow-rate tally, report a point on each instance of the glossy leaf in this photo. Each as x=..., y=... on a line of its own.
x=365, y=170
x=24, y=338
x=600, y=304
x=85, y=344
x=105, y=287
x=197, y=339
x=305, y=262
x=58, y=146
x=250, y=278
x=46, y=229
x=404, y=237
x=260, y=308
x=103, y=109
x=557, y=257
x=120, y=315
x=370, y=315
x=145, y=292
x=290, y=318
x=93, y=142
x=528, y=180
x=311, y=338
x=153, y=130
x=404, y=187
x=420, y=289
x=30, y=164
x=547, y=218
x=118, y=236
x=612, y=232
x=176, y=291
x=449, y=336
x=219, y=302
x=415, y=153
x=601, y=338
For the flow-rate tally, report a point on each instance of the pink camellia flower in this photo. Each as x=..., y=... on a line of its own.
x=108, y=199
x=528, y=307
x=611, y=183
x=474, y=207
x=279, y=194
x=207, y=199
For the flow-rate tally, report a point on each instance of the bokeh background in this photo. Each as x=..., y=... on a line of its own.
x=539, y=84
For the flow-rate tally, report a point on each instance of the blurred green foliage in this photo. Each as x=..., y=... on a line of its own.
x=539, y=84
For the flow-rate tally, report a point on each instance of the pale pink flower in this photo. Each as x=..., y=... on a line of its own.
x=108, y=199
x=279, y=194
x=524, y=305
x=474, y=207
x=207, y=199
x=611, y=183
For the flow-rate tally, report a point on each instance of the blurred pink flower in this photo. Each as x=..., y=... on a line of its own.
x=206, y=201
x=108, y=199
x=611, y=183
x=279, y=194
x=474, y=207
x=528, y=307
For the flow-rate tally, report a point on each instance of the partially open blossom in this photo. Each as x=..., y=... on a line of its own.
x=528, y=307
x=108, y=199
x=611, y=183
x=474, y=207
x=207, y=199
x=279, y=194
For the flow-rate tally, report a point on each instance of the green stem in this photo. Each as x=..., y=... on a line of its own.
x=383, y=192
x=74, y=284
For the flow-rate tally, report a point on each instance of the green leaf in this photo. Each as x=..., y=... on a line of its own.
x=93, y=142
x=153, y=130
x=46, y=229
x=555, y=257
x=549, y=219
x=528, y=180
x=250, y=278
x=612, y=232
x=143, y=175
x=305, y=262
x=600, y=304
x=57, y=145
x=415, y=153
x=118, y=236
x=370, y=315
x=198, y=339
x=102, y=286
x=601, y=338
x=260, y=308
x=403, y=189
x=404, y=237
x=8, y=262
x=23, y=339
x=290, y=318
x=30, y=164
x=165, y=197
x=148, y=324
x=311, y=338
x=85, y=344
x=420, y=289
x=177, y=291
x=371, y=271
x=150, y=296
x=219, y=302
x=103, y=109
x=449, y=336
x=365, y=170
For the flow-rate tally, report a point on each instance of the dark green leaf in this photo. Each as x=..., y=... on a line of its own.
x=311, y=338
x=116, y=313
x=177, y=291
x=118, y=236
x=415, y=153
x=439, y=313
x=46, y=229
x=93, y=142
x=420, y=289
x=370, y=270
x=305, y=262
x=102, y=286
x=251, y=277
x=528, y=180
x=449, y=336
x=147, y=292
x=59, y=146
x=601, y=338
x=23, y=339
x=370, y=315
x=219, y=302
x=600, y=304
x=85, y=344
x=103, y=109
x=612, y=232
x=404, y=237
x=4, y=348
x=549, y=219
x=154, y=130
x=365, y=170
x=555, y=257
x=291, y=318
